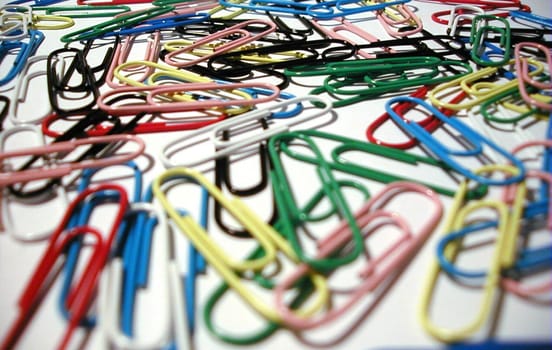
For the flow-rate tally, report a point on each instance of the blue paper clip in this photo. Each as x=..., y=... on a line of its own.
x=80, y=218
x=531, y=17
x=476, y=140
x=161, y=23
x=35, y=2
x=25, y=50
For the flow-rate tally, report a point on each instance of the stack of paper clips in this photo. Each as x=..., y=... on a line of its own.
x=288, y=174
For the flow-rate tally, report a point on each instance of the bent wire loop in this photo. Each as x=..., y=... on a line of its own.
x=480, y=30
x=477, y=86
x=431, y=123
x=371, y=78
x=399, y=20
x=340, y=162
x=115, y=24
x=236, y=63
x=124, y=49
x=461, y=14
x=116, y=287
x=24, y=48
x=21, y=94
x=475, y=140
x=60, y=193
x=239, y=30
x=542, y=99
x=378, y=268
x=532, y=18
x=530, y=260
x=507, y=226
x=83, y=217
x=200, y=96
x=223, y=180
x=57, y=167
x=225, y=148
x=72, y=82
x=348, y=27
x=319, y=10
x=292, y=220
x=230, y=269
x=82, y=294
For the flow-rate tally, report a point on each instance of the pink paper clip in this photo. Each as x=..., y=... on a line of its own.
x=55, y=168
x=524, y=79
x=82, y=294
x=347, y=27
x=123, y=51
x=393, y=26
x=161, y=98
x=378, y=269
x=239, y=29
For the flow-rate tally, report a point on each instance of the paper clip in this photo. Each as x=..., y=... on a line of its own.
x=293, y=222
x=65, y=85
x=59, y=193
x=165, y=279
x=223, y=180
x=480, y=30
x=15, y=21
x=524, y=79
x=59, y=169
x=24, y=49
x=122, y=52
x=399, y=20
x=115, y=24
x=461, y=14
x=342, y=163
x=476, y=141
x=430, y=123
x=373, y=217
x=229, y=268
x=477, y=87
x=22, y=89
x=83, y=292
x=371, y=78
x=348, y=27
x=83, y=11
x=240, y=30
x=508, y=222
x=215, y=133
x=532, y=18
x=209, y=96
x=529, y=260
x=301, y=53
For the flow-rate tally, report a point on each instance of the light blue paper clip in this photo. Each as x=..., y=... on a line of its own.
x=476, y=140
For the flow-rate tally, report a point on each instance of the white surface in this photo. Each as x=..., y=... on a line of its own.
x=393, y=322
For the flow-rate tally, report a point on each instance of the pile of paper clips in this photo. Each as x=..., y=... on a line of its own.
x=344, y=216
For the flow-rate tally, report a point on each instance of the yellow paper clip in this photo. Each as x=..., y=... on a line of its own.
x=509, y=217
x=230, y=269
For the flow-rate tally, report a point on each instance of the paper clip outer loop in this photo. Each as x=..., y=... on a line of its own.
x=270, y=240
x=522, y=69
x=111, y=289
x=225, y=147
x=82, y=294
x=7, y=219
x=152, y=105
x=443, y=153
x=62, y=169
x=508, y=233
x=239, y=29
x=401, y=252
x=476, y=89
